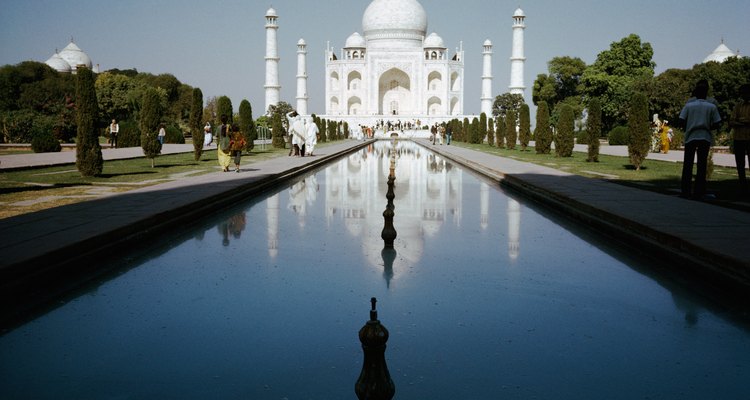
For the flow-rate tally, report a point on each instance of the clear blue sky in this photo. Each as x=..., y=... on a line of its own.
x=219, y=45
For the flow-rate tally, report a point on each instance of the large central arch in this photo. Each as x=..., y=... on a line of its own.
x=394, y=93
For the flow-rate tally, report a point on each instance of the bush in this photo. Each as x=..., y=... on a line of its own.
x=45, y=143
x=130, y=135
x=174, y=135
x=618, y=136
x=582, y=137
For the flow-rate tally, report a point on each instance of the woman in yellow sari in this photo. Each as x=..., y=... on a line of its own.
x=223, y=145
x=664, y=136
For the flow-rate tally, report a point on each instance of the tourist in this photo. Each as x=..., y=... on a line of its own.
x=296, y=131
x=740, y=123
x=114, y=129
x=312, y=137
x=440, y=133
x=664, y=137
x=208, y=136
x=699, y=117
x=223, y=145
x=433, y=133
x=162, y=134
x=237, y=143
x=448, y=134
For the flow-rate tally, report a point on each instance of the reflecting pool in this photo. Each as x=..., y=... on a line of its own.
x=487, y=298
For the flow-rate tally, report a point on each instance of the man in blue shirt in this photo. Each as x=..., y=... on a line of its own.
x=699, y=117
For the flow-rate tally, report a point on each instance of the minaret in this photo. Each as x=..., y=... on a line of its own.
x=302, y=77
x=487, y=79
x=272, y=86
x=517, y=59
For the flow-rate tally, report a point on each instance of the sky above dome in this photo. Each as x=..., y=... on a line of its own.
x=219, y=46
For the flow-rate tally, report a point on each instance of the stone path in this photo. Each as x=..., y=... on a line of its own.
x=41, y=250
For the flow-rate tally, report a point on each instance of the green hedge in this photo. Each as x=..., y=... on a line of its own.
x=45, y=142
x=618, y=136
x=174, y=135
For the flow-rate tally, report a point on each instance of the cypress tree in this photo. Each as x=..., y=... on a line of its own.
x=638, y=127
x=565, y=127
x=224, y=107
x=474, y=131
x=196, y=113
x=465, y=131
x=491, y=132
x=277, y=131
x=542, y=133
x=333, y=127
x=524, y=132
x=149, y=118
x=511, y=134
x=323, y=130
x=500, y=132
x=89, y=160
x=346, y=130
x=247, y=125
x=594, y=129
x=482, y=128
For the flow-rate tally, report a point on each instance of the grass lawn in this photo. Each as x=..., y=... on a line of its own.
x=31, y=190
x=656, y=176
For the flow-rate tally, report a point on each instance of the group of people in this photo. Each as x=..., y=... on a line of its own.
x=230, y=144
x=303, y=133
x=700, y=116
x=438, y=132
x=662, y=135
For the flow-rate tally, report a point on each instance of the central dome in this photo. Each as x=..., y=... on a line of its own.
x=394, y=19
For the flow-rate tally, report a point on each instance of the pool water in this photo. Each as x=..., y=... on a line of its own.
x=488, y=298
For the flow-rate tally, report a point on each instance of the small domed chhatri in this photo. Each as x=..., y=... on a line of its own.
x=355, y=41
x=69, y=59
x=434, y=42
x=721, y=53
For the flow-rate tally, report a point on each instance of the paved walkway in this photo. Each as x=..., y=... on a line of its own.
x=34, y=160
x=40, y=250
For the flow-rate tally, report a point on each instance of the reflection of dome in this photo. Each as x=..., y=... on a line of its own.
x=394, y=19
x=434, y=42
x=58, y=64
x=74, y=56
x=355, y=41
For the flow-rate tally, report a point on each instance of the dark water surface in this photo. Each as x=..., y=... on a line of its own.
x=488, y=298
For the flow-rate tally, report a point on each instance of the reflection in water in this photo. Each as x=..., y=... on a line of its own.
x=514, y=228
x=272, y=216
x=484, y=204
x=233, y=227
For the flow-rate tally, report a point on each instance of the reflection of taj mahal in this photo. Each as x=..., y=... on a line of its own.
x=394, y=69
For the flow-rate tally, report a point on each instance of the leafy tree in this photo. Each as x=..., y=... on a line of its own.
x=130, y=134
x=669, y=91
x=615, y=74
x=210, y=112
x=505, y=102
x=196, y=111
x=500, y=132
x=45, y=142
x=224, y=107
x=542, y=132
x=89, y=160
x=247, y=124
x=511, y=132
x=562, y=84
x=639, y=131
x=491, y=132
x=283, y=108
x=565, y=127
x=524, y=132
x=112, y=92
x=724, y=80
x=594, y=129
x=482, y=127
x=150, y=118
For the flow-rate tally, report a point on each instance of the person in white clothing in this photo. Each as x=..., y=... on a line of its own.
x=114, y=129
x=297, y=133
x=312, y=137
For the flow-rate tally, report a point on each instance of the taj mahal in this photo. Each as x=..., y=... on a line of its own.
x=393, y=69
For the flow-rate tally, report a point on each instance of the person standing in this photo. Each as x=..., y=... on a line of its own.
x=699, y=117
x=440, y=134
x=312, y=137
x=740, y=123
x=664, y=137
x=162, y=134
x=208, y=136
x=223, y=145
x=114, y=129
x=237, y=144
x=448, y=134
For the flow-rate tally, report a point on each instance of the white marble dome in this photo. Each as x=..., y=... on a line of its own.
x=519, y=13
x=434, y=42
x=720, y=54
x=394, y=20
x=58, y=64
x=355, y=40
x=74, y=56
x=271, y=13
